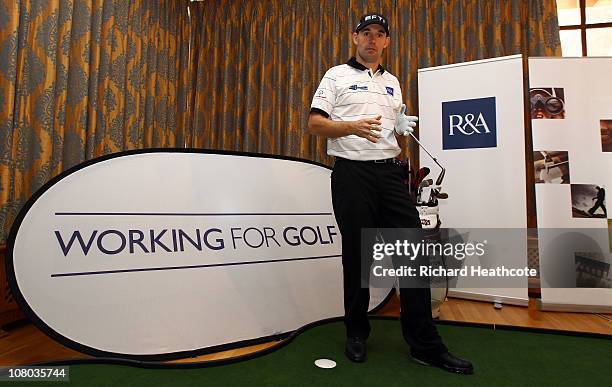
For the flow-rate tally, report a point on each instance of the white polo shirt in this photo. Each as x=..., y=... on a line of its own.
x=350, y=92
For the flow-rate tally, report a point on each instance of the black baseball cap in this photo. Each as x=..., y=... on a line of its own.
x=372, y=18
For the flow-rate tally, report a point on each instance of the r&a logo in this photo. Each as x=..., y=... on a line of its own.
x=469, y=123
x=469, y=127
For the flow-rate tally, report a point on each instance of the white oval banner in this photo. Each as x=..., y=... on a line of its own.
x=159, y=253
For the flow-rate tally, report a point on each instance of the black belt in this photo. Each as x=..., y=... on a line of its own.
x=391, y=160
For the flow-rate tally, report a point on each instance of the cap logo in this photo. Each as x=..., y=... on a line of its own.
x=373, y=17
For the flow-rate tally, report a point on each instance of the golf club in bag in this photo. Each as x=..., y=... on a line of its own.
x=425, y=193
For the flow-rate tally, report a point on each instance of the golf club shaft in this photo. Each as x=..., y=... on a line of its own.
x=439, y=180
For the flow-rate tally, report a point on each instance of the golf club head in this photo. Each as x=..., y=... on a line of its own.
x=420, y=175
x=426, y=183
x=424, y=171
x=440, y=177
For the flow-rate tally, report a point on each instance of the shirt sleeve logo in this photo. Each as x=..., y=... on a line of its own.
x=389, y=90
x=320, y=94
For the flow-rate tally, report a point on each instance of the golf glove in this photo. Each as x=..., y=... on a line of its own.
x=404, y=124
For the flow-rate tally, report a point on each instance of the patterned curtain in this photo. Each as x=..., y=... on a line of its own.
x=256, y=64
x=83, y=78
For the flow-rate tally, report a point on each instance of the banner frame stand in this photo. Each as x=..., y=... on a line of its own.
x=488, y=298
x=481, y=294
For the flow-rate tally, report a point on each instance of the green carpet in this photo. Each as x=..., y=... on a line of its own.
x=500, y=357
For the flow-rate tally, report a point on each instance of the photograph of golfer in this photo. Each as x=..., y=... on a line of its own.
x=551, y=167
x=588, y=201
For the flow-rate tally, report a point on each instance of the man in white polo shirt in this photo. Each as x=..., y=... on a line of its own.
x=358, y=107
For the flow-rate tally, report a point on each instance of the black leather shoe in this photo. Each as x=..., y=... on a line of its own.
x=355, y=349
x=447, y=362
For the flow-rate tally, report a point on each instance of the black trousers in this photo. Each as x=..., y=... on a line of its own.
x=371, y=195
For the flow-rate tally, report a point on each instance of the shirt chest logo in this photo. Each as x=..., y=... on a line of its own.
x=356, y=87
x=389, y=90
